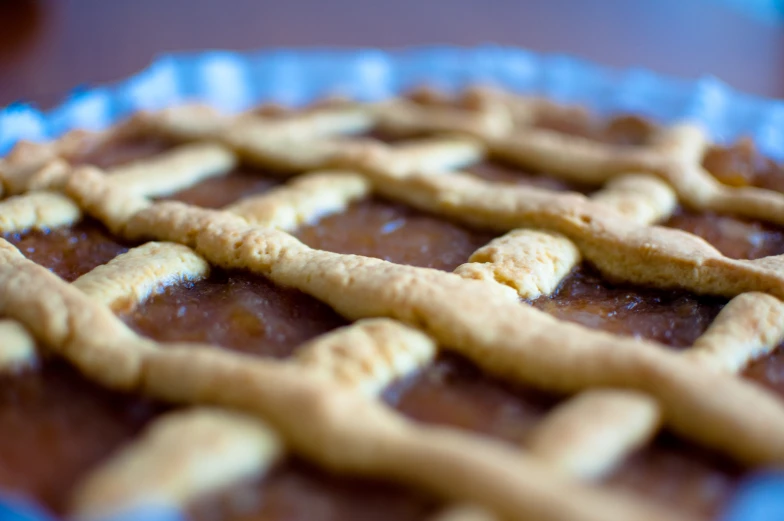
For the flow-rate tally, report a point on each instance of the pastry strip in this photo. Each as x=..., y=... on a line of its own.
x=368, y=355
x=642, y=198
x=37, y=211
x=173, y=171
x=181, y=456
x=587, y=435
x=17, y=349
x=186, y=454
x=533, y=263
x=302, y=200
x=350, y=433
x=132, y=277
x=487, y=325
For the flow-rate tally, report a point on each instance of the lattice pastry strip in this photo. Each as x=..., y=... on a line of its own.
x=18, y=347
x=534, y=262
x=590, y=435
x=374, y=442
x=185, y=454
x=485, y=324
x=180, y=457
x=126, y=279
x=575, y=157
x=37, y=211
x=138, y=216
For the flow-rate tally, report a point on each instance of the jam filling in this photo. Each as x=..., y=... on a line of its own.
x=741, y=164
x=668, y=470
x=680, y=475
x=734, y=237
x=497, y=171
x=455, y=393
x=396, y=233
x=56, y=426
x=298, y=491
x=235, y=310
x=674, y=318
x=625, y=130
x=70, y=251
x=120, y=151
x=217, y=192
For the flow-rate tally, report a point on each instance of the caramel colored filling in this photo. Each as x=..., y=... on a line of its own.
x=217, y=192
x=499, y=172
x=674, y=318
x=235, y=310
x=70, y=251
x=741, y=164
x=55, y=426
x=120, y=151
x=396, y=233
x=624, y=130
x=298, y=491
x=668, y=470
x=680, y=475
x=734, y=237
x=453, y=392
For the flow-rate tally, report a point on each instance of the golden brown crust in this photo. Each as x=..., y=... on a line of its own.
x=374, y=442
x=548, y=234
x=750, y=326
x=589, y=434
x=303, y=200
x=37, y=211
x=17, y=350
x=533, y=263
x=644, y=199
x=180, y=456
x=132, y=277
x=487, y=325
x=68, y=322
x=348, y=432
x=111, y=204
x=173, y=171
x=368, y=355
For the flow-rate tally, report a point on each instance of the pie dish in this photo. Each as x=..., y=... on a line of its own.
x=429, y=307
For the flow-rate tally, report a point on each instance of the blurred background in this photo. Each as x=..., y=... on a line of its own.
x=48, y=47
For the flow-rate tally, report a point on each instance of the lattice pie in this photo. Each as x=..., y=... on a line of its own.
x=483, y=308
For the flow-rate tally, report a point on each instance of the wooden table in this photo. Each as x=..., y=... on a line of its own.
x=48, y=47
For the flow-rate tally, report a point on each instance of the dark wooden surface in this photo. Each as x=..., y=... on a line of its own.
x=48, y=47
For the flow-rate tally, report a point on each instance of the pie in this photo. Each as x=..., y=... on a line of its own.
x=473, y=307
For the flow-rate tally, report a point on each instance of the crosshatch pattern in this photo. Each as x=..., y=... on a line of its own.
x=322, y=403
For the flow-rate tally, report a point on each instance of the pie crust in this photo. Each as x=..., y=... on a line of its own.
x=322, y=404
